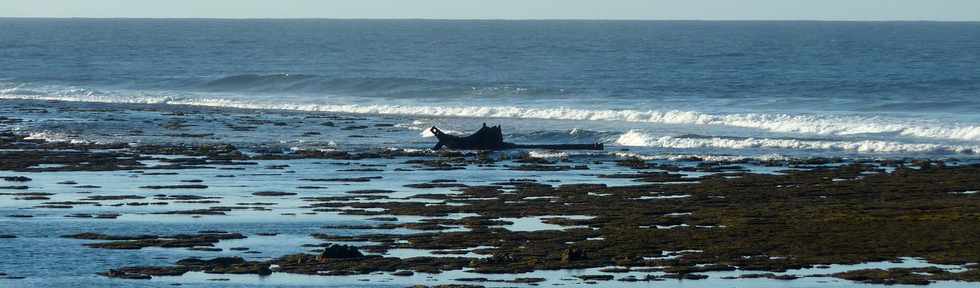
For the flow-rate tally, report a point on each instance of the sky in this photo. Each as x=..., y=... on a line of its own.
x=859, y=10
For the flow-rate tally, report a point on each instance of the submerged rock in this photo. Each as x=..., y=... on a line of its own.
x=274, y=193
x=188, y=186
x=595, y=277
x=142, y=241
x=16, y=179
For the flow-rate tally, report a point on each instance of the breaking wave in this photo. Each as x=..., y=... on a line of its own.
x=831, y=125
x=56, y=137
x=641, y=139
x=703, y=157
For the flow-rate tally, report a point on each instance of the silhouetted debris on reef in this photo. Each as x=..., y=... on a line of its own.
x=492, y=138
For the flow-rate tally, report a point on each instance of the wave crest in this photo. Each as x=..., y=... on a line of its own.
x=783, y=123
x=640, y=139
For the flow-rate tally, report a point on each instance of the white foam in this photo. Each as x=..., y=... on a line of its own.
x=964, y=192
x=424, y=128
x=55, y=138
x=708, y=158
x=548, y=154
x=641, y=139
x=786, y=123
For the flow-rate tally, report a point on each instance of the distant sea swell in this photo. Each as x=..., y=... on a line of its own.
x=393, y=87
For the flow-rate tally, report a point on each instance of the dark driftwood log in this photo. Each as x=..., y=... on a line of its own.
x=491, y=138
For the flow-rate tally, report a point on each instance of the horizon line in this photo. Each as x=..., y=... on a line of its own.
x=492, y=19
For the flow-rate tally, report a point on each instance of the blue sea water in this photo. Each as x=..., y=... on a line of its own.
x=661, y=89
x=704, y=87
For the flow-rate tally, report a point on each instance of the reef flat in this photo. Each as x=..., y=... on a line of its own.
x=504, y=219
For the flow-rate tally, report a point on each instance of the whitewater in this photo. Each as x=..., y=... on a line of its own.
x=787, y=123
x=807, y=126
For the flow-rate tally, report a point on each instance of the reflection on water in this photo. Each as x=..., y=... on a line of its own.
x=564, y=278
x=280, y=225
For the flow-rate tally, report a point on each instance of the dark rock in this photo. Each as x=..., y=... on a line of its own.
x=354, y=179
x=403, y=273
x=189, y=186
x=143, y=273
x=15, y=179
x=112, y=197
x=686, y=276
x=572, y=254
x=142, y=241
x=339, y=252
x=374, y=191
x=361, y=170
x=207, y=249
x=273, y=193
x=107, y=216
x=385, y=219
x=595, y=277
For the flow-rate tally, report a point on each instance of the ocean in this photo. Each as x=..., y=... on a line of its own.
x=810, y=150
x=658, y=89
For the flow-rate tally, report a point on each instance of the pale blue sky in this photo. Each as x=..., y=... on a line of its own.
x=942, y=10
